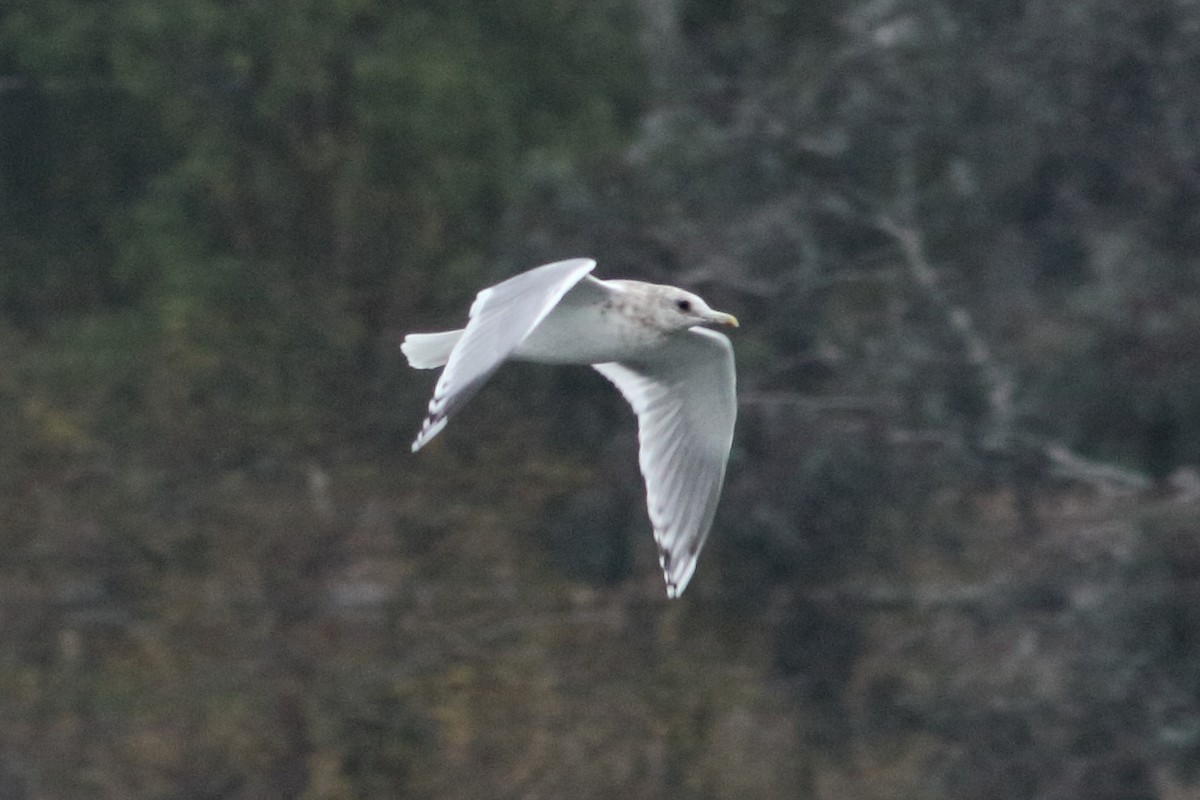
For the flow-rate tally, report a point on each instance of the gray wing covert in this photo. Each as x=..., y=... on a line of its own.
x=686, y=405
x=500, y=319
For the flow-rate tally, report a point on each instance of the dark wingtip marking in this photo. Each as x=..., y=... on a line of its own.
x=664, y=560
x=431, y=427
x=435, y=419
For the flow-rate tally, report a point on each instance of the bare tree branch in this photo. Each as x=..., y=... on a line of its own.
x=1108, y=477
x=997, y=382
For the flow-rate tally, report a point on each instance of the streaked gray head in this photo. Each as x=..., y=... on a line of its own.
x=670, y=308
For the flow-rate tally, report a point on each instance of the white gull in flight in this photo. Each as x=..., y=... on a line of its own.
x=644, y=338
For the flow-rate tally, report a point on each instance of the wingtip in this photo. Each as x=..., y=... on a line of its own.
x=431, y=428
x=674, y=586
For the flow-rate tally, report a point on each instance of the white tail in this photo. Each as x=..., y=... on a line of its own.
x=429, y=350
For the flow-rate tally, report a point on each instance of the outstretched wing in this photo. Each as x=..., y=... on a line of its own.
x=500, y=319
x=686, y=406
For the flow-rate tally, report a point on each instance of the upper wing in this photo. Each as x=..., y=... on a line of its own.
x=686, y=405
x=500, y=319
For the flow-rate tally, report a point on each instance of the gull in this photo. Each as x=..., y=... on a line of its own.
x=644, y=338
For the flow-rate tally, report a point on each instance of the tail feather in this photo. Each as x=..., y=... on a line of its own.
x=429, y=350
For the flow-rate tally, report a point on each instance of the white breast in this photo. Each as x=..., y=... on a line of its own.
x=594, y=333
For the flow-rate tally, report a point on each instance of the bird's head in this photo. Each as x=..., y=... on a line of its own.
x=680, y=310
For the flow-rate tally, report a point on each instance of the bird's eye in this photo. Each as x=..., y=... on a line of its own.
x=683, y=305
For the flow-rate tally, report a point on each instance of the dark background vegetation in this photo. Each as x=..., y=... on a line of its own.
x=957, y=553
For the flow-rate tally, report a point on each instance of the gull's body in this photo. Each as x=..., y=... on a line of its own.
x=679, y=379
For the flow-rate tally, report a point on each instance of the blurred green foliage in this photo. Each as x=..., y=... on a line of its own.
x=247, y=193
